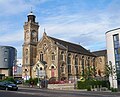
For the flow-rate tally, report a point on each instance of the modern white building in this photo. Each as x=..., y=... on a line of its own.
x=113, y=54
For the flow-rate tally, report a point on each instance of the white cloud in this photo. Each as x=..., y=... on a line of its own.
x=11, y=7
x=12, y=37
x=90, y=25
x=86, y=27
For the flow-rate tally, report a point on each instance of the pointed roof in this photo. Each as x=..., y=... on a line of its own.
x=72, y=47
x=44, y=32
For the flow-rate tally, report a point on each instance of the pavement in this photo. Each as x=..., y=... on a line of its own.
x=36, y=87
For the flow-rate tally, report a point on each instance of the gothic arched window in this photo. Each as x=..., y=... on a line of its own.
x=41, y=56
x=26, y=60
x=76, y=60
x=26, y=51
x=69, y=63
x=53, y=56
x=82, y=65
x=69, y=59
x=62, y=56
x=62, y=68
x=76, y=64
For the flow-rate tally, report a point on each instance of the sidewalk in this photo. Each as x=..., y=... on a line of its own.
x=67, y=89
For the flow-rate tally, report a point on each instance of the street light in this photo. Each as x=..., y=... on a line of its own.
x=41, y=71
x=38, y=75
x=45, y=75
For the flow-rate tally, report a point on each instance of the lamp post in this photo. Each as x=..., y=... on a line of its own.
x=45, y=76
x=38, y=75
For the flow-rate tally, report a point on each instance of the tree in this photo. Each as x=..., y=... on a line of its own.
x=89, y=72
x=108, y=70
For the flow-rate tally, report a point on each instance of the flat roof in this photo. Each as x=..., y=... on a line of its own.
x=112, y=30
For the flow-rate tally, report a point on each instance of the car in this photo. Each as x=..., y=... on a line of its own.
x=7, y=85
x=18, y=81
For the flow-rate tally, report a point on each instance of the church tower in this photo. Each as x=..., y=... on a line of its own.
x=30, y=45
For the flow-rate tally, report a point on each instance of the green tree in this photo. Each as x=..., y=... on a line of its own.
x=108, y=70
x=89, y=72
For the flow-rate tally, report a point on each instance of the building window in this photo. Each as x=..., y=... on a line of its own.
x=26, y=60
x=76, y=60
x=45, y=46
x=62, y=68
x=26, y=51
x=69, y=59
x=62, y=56
x=5, y=52
x=69, y=69
x=41, y=56
x=116, y=37
x=100, y=60
x=82, y=65
x=76, y=64
x=117, y=53
x=53, y=56
x=40, y=68
x=26, y=70
x=69, y=63
x=5, y=59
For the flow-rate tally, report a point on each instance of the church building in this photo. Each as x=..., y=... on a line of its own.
x=51, y=57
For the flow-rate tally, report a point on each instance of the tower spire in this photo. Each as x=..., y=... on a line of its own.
x=44, y=32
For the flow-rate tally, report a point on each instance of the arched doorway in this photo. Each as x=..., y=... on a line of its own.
x=52, y=71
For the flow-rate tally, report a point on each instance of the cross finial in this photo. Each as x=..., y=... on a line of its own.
x=44, y=32
x=31, y=9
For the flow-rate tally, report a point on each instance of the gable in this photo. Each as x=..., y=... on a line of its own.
x=38, y=65
x=52, y=65
x=43, y=40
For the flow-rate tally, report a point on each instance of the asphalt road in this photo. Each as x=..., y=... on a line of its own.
x=30, y=92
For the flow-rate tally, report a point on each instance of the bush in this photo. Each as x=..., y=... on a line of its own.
x=34, y=81
x=114, y=90
x=88, y=88
x=91, y=84
x=10, y=79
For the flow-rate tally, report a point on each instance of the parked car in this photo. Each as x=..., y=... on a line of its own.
x=18, y=81
x=7, y=85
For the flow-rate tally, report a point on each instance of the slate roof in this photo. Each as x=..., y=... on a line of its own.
x=100, y=53
x=75, y=48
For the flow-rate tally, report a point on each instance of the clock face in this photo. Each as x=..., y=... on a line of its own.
x=34, y=39
x=33, y=34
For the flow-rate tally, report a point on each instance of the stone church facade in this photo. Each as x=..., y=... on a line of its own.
x=51, y=57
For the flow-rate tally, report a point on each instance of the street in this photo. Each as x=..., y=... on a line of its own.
x=30, y=92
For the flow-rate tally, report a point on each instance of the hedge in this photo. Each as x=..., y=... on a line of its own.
x=88, y=84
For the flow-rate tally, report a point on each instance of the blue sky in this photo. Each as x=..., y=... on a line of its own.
x=82, y=22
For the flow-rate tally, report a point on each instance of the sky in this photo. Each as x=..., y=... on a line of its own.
x=83, y=22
